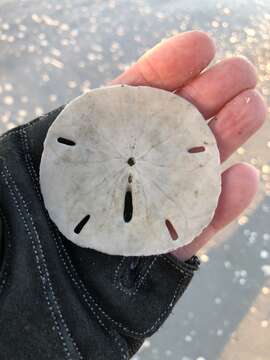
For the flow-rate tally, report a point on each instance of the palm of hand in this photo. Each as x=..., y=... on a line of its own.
x=225, y=93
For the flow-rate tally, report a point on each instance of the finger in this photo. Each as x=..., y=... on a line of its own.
x=237, y=121
x=171, y=63
x=239, y=185
x=211, y=90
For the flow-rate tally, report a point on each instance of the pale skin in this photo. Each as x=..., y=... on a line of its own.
x=225, y=91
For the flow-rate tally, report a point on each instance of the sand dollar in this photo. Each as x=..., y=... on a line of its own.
x=130, y=171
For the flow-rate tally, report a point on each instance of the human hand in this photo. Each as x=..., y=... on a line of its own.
x=225, y=93
x=84, y=304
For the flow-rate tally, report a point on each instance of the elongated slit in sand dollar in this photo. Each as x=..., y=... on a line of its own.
x=128, y=207
x=66, y=141
x=130, y=171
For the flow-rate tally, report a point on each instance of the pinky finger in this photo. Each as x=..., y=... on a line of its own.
x=239, y=185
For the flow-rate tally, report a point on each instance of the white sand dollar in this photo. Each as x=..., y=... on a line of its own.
x=122, y=165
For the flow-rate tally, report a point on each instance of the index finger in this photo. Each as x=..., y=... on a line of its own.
x=171, y=63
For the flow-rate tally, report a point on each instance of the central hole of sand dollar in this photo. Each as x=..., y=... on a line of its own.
x=131, y=161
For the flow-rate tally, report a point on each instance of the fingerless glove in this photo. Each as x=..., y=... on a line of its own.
x=60, y=301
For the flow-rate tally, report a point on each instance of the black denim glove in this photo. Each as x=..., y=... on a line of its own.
x=57, y=300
